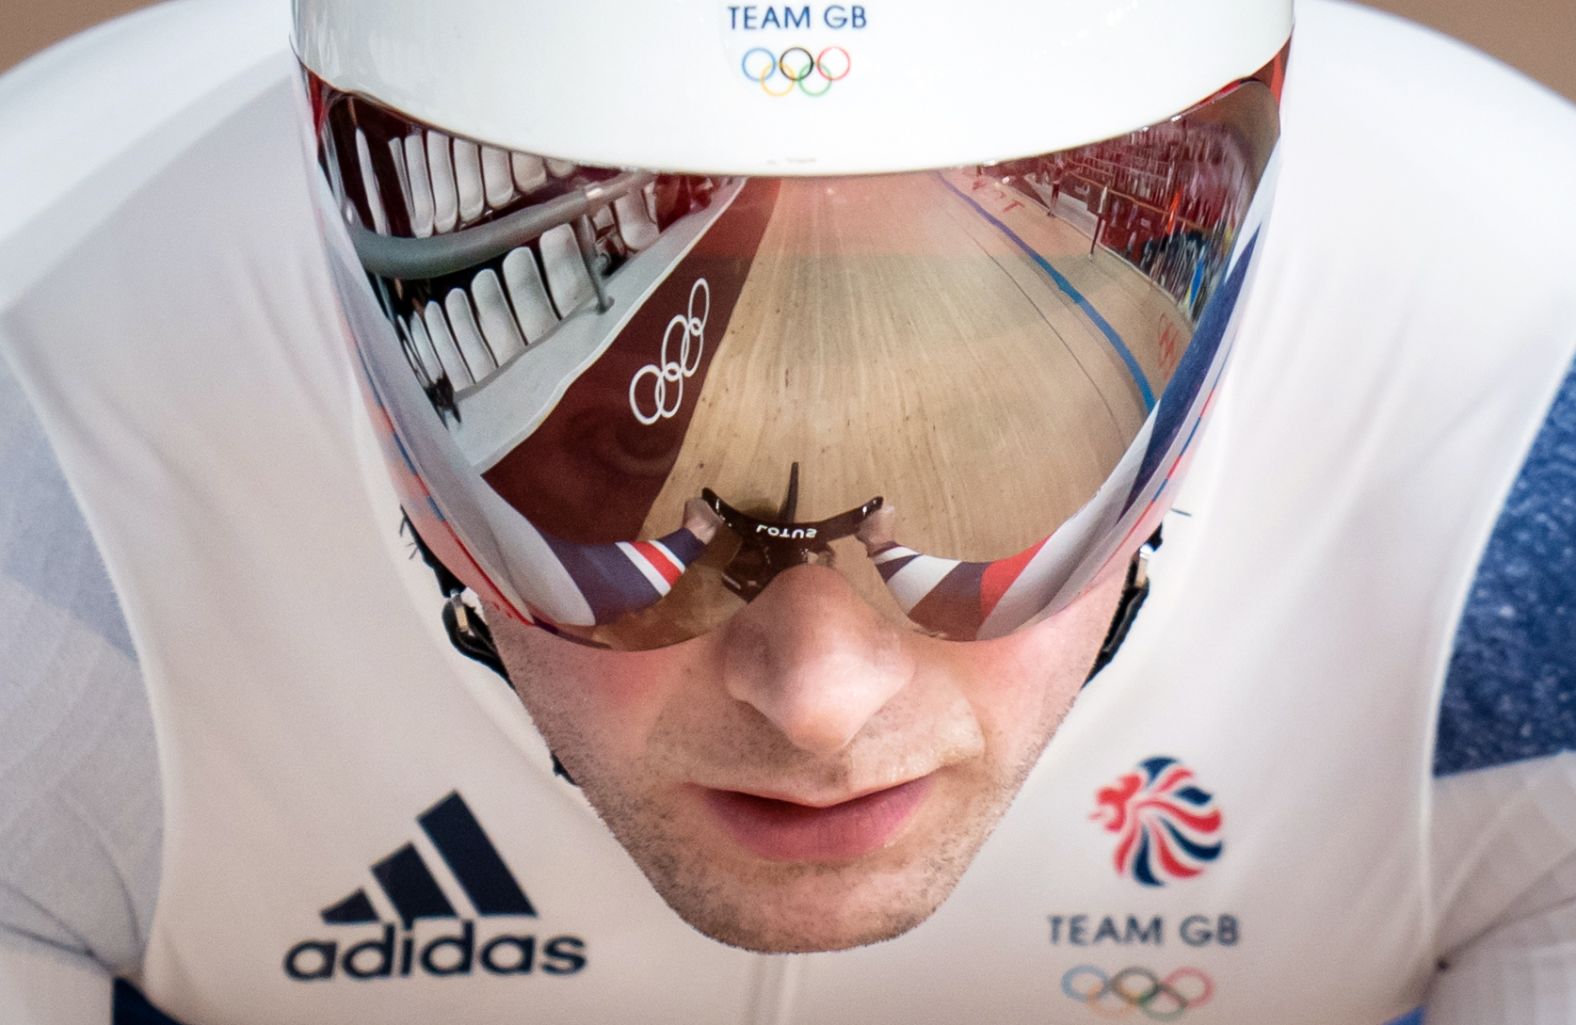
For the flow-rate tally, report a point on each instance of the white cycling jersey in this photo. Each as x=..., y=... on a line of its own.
x=1238, y=823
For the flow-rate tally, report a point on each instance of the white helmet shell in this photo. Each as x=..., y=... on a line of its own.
x=798, y=88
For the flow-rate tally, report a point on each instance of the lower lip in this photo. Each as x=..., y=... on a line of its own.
x=783, y=831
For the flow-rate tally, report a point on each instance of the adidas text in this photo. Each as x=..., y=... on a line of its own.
x=442, y=953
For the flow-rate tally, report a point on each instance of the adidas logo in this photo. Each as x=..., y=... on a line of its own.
x=473, y=868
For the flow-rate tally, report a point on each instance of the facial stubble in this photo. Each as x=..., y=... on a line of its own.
x=782, y=907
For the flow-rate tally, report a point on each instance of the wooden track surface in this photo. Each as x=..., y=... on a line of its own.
x=1138, y=310
x=892, y=341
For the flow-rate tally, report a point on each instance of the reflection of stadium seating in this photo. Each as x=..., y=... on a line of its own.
x=467, y=334
x=445, y=195
x=418, y=187
x=635, y=223
x=413, y=334
x=380, y=219
x=468, y=175
x=495, y=317
x=475, y=330
x=568, y=281
x=436, y=327
x=530, y=173
x=532, y=306
x=497, y=176
x=458, y=328
x=605, y=224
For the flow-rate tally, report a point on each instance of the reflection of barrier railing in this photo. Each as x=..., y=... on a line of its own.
x=1115, y=193
x=1114, y=169
x=1162, y=271
x=409, y=259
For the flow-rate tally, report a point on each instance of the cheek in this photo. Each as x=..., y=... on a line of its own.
x=1020, y=686
x=1017, y=698
x=589, y=702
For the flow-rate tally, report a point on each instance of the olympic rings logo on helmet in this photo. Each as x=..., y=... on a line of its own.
x=668, y=371
x=1138, y=990
x=779, y=73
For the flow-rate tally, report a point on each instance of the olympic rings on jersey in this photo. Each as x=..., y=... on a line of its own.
x=795, y=66
x=1138, y=989
x=673, y=372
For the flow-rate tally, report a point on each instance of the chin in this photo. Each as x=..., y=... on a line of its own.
x=762, y=924
x=814, y=939
x=773, y=908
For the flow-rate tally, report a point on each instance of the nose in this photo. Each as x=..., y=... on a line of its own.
x=814, y=658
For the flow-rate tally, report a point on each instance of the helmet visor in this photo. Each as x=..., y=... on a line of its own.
x=629, y=399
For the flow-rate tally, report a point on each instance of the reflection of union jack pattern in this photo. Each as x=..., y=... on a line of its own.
x=951, y=597
x=626, y=576
x=1168, y=827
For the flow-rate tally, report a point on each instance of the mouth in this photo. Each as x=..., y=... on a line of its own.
x=784, y=830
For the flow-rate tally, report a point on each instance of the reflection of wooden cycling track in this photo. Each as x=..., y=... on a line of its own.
x=983, y=363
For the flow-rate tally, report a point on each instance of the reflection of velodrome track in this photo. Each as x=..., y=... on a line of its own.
x=1127, y=299
x=952, y=307
x=760, y=323
x=603, y=345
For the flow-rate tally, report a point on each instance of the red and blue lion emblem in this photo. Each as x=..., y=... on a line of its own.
x=1168, y=827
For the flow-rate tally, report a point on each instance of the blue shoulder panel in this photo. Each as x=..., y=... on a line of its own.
x=1511, y=688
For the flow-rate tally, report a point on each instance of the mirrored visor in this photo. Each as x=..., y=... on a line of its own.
x=631, y=399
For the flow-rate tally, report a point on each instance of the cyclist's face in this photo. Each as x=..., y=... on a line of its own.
x=808, y=776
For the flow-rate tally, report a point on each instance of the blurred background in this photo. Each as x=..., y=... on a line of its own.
x=1537, y=36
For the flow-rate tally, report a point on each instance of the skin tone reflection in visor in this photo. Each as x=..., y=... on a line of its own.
x=810, y=775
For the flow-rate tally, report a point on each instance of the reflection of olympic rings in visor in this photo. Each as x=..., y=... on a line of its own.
x=1138, y=989
x=668, y=372
x=778, y=74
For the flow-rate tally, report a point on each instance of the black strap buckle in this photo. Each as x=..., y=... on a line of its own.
x=1134, y=592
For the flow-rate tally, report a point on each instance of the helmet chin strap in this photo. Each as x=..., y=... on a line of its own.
x=467, y=631
x=469, y=635
x=1134, y=591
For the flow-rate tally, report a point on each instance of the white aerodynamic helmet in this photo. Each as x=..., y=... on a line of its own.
x=657, y=301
